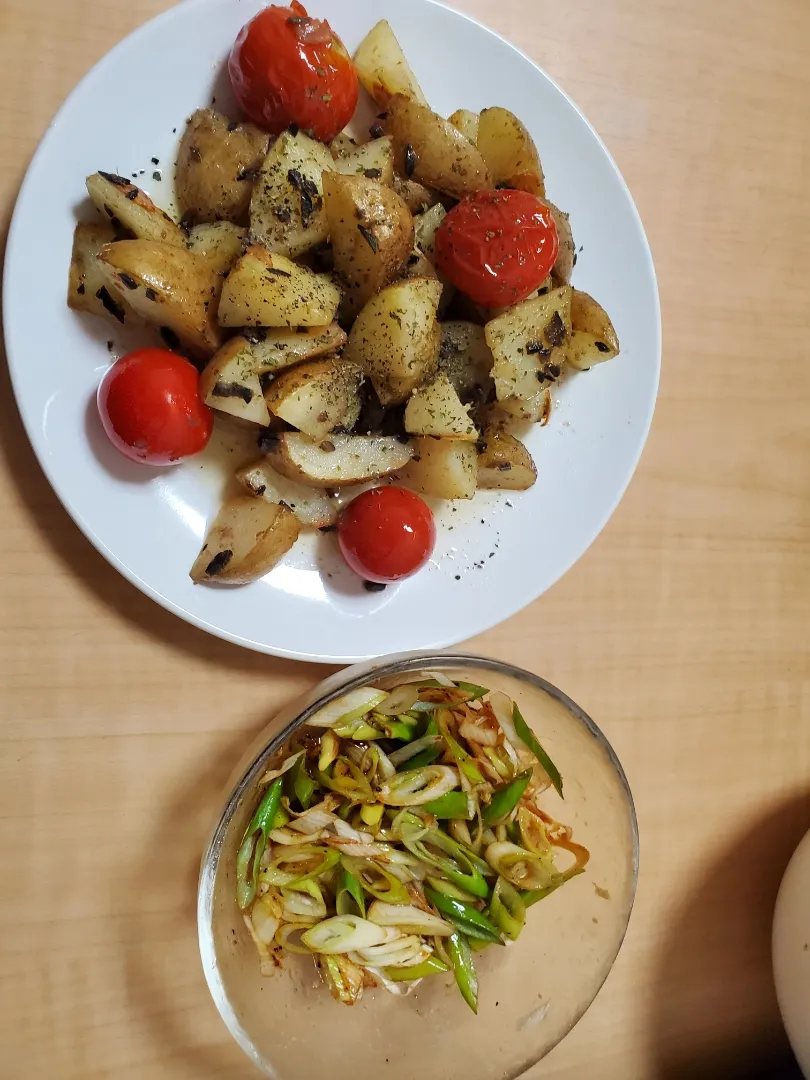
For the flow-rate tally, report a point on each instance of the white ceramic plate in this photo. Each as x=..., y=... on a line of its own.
x=493, y=556
x=791, y=952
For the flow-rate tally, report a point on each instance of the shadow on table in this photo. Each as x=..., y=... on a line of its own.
x=717, y=961
x=167, y=990
x=90, y=568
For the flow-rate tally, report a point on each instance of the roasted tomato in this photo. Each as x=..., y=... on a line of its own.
x=386, y=534
x=150, y=406
x=497, y=247
x=287, y=68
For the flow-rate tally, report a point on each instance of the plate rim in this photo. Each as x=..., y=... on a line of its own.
x=43, y=459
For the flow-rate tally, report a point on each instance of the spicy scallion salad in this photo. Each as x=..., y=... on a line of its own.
x=400, y=835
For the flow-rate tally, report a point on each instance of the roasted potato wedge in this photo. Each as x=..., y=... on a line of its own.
x=340, y=462
x=217, y=165
x=395, y=339
x=436, y=410
x=374, y=160
x=509, y=151
x=310, y=505
x=418, y=265
x=444, y=468
x=246, y=540
x=502, y=415
x=169, y=287
x=382, y=67
x=504, y=462
x=131, y=209
x=416, y=197
x=274, y=350
x=466, y=359
x=229, y=385
x=220, y=242
x=529, y=344
x=567, y=257
x=593, y=339
x=286, y=210
x=432, y=151
x=87, y=284
x=467, y=124
x=372, y=235
x=265, y=289
x=425, y=226
x=317, y=397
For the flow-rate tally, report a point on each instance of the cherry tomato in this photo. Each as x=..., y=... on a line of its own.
x=386, y=534
x=150, y=406
x=497, y=247
x=287, y=68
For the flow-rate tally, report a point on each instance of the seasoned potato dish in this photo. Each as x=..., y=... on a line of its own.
x=378, y=311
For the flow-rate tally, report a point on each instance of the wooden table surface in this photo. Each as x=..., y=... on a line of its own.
x=683, y=631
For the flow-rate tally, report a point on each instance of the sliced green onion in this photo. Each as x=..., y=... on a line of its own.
x=461, y=957
x=253, y=844
x=404, y=754
x=372, y=814
x=507, y=909
x=431, y=966
x=343, y=933
x=265, y=919
x=274, y=774
x=419, y=786
x=300, y=864
x=408, y=918
x=330, y=748
x=400, y=700
x=465, y=917
x=457, y=751
x=299, y=785
x=344, y=979
x=285, y=933
x=404, y=950
x=408, y=826
x=298, y=905
x=447, y=888
x=376, y=880
x=454, y=804
x=529, y=738
x=457, y=863
x=521, y=868
x=351, y=706
x=358, y=731
x=349, y=899
x=474, y=691
x=348, y=780
x=505, y=800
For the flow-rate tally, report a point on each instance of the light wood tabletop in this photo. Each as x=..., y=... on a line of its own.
x=684, y=631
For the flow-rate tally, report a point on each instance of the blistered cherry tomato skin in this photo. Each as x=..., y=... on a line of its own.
x=287, y=68
x=386, y=534
x=497, y=247
x=150, y=407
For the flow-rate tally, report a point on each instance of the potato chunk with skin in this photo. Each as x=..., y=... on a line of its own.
x=87, y=284
x=131, y=209
x=273, y=349
x=443, y=468
x=264, y=289
x=416, y=197
x=216, y=167
x=529, y=343
x=372, y=235
x=435, y=409
x=317, y=397
x=169, y=287
x=374, y=160
x=567, y=255
x=310, y=505
x=220, y=242
x=432, y=151
x=395, y=339
x=246, y=540
x=382, y=67
x=467, y=124
x=286, y=209
x=504, y=462
x=593, y=339
x=466, y=359
x=509, y=151
x=229, y=385
x=341, y=461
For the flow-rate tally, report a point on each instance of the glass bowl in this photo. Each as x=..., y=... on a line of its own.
x=531, y=993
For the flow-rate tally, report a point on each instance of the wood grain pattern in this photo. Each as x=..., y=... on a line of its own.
x=684, y=630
